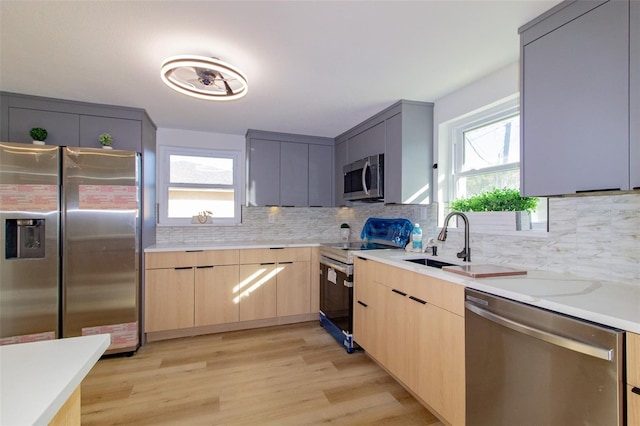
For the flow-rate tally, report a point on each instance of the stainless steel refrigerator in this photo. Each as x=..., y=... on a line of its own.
x=70, y=262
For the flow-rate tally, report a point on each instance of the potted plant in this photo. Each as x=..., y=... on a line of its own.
x=106, y=140
x=498, y=209
x=38, y=135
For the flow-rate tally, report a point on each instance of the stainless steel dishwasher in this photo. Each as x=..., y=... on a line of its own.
x=529, y=366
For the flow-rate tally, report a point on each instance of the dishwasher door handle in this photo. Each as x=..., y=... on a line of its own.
x=554, y=339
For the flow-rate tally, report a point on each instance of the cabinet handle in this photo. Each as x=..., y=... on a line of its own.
x=415, y=299
x=398, y=292
x=582, y=191
x=194, y=251
x=363, y=304
x=267, y=263
x=276, y=248
x=635, y=390
x=285, y=263
x=204, y=267
x=182, y=267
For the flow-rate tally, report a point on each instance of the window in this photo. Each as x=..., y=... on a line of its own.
x=485, y=154
x=199, y=180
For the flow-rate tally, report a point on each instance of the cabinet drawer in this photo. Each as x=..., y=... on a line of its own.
x=633, y=360
x=217, y=257
x=443, y=294
x=286, y=254
x=170, y=259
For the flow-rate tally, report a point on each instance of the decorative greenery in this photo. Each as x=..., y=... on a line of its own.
x=345, y=225
x=105, y=139
x=497, y=200
x=38, y=134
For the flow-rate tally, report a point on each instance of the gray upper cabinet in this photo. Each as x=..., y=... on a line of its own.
x=634, y=91
x=575, y=100
x=62, y=128
x=320, y=179
x=340, y=162
x=126, y=133
x=263, y=185
x=370, y=141
x=289, y=170
x=71, y=123
x=294, y=174
x=403, y=132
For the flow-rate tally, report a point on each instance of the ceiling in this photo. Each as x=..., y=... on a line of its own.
x=314, y=67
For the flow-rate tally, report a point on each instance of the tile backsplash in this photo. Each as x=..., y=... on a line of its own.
x=593, y=237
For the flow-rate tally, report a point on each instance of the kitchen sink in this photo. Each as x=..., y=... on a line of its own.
x=430, y=262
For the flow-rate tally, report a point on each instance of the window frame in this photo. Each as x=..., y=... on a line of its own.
x=164, y=154
x=474, y=121
x=450, y=139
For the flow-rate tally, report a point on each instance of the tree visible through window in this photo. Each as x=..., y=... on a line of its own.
x=489, y=157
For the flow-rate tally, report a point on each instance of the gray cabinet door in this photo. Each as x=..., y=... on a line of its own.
x=62, y=128
x=369, y=142
x=127, y=134
x=340, y=162
x=264, y=173
x=575, y=105
x=634, y=92
x=320, y=175
x=294, y=174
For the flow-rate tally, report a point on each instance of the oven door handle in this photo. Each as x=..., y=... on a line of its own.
x=338, y=266
x=554, y=339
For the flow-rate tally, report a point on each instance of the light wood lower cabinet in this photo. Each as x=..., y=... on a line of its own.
x=210, y=288
x=293, y=289
x=187, y=289
x=168, y=299
x=278, y=286
x=633, y=379
x=216, y=298
x=258, y=293
x=407, y=332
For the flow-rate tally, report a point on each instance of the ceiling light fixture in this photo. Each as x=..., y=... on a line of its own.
x=203, y=78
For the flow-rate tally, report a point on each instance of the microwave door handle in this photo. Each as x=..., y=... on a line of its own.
x=364, y=177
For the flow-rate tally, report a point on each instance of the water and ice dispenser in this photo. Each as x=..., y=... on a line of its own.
x=25, y=238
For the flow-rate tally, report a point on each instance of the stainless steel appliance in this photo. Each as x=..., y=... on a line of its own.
x=336, y=273
x=29, y=227
x=364, y=179
x=83, y=276
x=529, y=366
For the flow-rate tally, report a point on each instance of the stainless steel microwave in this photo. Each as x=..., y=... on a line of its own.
x=364, y=179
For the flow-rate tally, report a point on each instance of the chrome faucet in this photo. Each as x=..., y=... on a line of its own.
x=465, y=254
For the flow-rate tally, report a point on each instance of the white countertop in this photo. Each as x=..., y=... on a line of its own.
x=613, y=304
x=227, y=245
x=37, y=378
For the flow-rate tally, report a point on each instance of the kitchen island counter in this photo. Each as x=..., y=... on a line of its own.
x=38, y=378
x=613, y=304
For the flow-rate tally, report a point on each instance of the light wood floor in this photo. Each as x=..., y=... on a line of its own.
x=287, y=375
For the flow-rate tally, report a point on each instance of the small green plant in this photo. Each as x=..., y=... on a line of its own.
x=105, y=139
x=497, y=200
x=38, y=134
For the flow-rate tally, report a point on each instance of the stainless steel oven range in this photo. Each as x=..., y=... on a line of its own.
x=336, y=289
x=336, y=274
